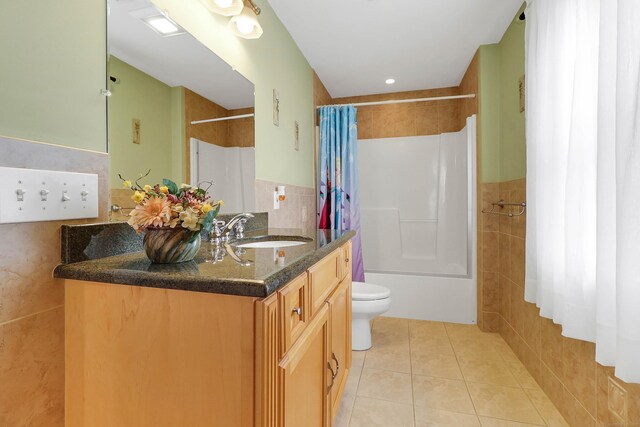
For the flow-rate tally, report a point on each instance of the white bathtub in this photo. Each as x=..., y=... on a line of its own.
x=444, y=299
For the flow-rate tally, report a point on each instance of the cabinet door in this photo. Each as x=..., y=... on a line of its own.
x=340, y=358
x=294, y=310
x=305, y=375
x=346, y=259
x=267, y=356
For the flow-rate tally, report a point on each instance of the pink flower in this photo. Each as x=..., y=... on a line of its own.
x=153, y=212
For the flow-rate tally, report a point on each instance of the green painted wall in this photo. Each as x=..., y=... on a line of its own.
x=502, y=125
x=489, y=112
x=271, y=62
x=512, y=137
x=52, y=69
x=178, y=136
x=138, y=95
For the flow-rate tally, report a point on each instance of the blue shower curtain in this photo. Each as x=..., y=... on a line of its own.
x=338, y=193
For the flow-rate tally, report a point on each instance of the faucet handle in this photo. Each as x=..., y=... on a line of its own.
x=216, y=231
x=239, y=228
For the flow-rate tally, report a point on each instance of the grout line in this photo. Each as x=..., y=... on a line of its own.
x=536, y=407
x=17, y=319
x=413, y=400
x=466, y=386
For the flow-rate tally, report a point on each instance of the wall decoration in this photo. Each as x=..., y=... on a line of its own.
x=276, y=108
x=521, y=90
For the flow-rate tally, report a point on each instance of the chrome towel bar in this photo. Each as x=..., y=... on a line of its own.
x=502, y=204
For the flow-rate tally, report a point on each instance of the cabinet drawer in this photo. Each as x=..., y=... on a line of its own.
x=294, y=310
x=346, y=259
x=323, y=278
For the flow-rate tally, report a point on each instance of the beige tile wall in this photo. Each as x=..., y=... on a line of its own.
x=320, y=96
x=409, y=119
x=297, y=211
x=583, y=390
x=31, y=301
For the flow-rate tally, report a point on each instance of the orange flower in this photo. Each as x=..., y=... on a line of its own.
x=153, y=212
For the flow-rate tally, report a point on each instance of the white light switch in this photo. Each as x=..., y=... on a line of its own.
x=30, y=195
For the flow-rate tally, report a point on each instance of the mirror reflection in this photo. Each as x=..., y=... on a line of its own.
x=175, y=109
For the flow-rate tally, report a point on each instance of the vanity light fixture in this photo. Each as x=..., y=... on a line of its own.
x=224, y=7
x=246, y=24
x=390, y=81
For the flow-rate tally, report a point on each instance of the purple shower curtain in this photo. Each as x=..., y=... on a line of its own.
x=338, y=196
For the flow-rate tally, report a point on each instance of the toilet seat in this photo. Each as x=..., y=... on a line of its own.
x=368, y=292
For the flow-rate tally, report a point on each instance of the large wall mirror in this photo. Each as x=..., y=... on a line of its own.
x=176, y=109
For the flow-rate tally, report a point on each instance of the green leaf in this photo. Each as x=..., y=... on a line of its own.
x=208, y=220
x=173, y=188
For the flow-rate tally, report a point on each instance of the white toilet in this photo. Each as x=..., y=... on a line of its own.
x=368, y=301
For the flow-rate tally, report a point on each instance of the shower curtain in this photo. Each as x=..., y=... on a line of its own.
x=583, y=173
x=338, y=192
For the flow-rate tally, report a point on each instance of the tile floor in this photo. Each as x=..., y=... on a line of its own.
x=436, y=374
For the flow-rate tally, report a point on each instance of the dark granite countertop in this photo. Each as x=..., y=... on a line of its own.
x=268, y=268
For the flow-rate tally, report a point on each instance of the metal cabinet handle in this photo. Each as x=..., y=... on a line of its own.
x=333, y=357
x=333, y=374
x=298, y=311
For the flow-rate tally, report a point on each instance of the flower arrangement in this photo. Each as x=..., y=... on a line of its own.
x=170, y=206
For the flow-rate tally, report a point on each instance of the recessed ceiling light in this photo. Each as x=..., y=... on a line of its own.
x=158, y=21
x=390, y=81
x=162, y=25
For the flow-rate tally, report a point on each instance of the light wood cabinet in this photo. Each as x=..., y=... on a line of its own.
x=304, y=375
x=150, y=357
x=294, y=306
x=346, y=259
x=323, y=278
x=340, y=359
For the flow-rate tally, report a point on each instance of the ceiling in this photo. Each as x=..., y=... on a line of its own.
x=355, y=45
x=176, y=61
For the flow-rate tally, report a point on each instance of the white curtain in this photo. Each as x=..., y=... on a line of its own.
x=583, y=172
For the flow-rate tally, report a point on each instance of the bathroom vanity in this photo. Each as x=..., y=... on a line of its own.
x=212, y=342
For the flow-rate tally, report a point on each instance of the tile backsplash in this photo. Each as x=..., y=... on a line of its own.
x=31, y=300
x=297, y=211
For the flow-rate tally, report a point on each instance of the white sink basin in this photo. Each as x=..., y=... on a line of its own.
x=271, y=244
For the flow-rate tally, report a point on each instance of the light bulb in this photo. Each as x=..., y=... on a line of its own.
x=223, y=3
x=245, y=26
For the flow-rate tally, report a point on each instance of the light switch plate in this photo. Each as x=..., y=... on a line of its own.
x=31, y=195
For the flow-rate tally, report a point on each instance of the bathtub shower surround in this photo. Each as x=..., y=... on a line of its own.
x=418, y=222
x=231, y=169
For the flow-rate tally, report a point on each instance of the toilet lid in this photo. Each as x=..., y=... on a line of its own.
x=368, y=292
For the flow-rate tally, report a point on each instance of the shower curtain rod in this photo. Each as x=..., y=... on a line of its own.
x=220, y=119
x=402, y=101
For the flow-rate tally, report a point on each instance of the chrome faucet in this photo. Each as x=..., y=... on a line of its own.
x=221, y=232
